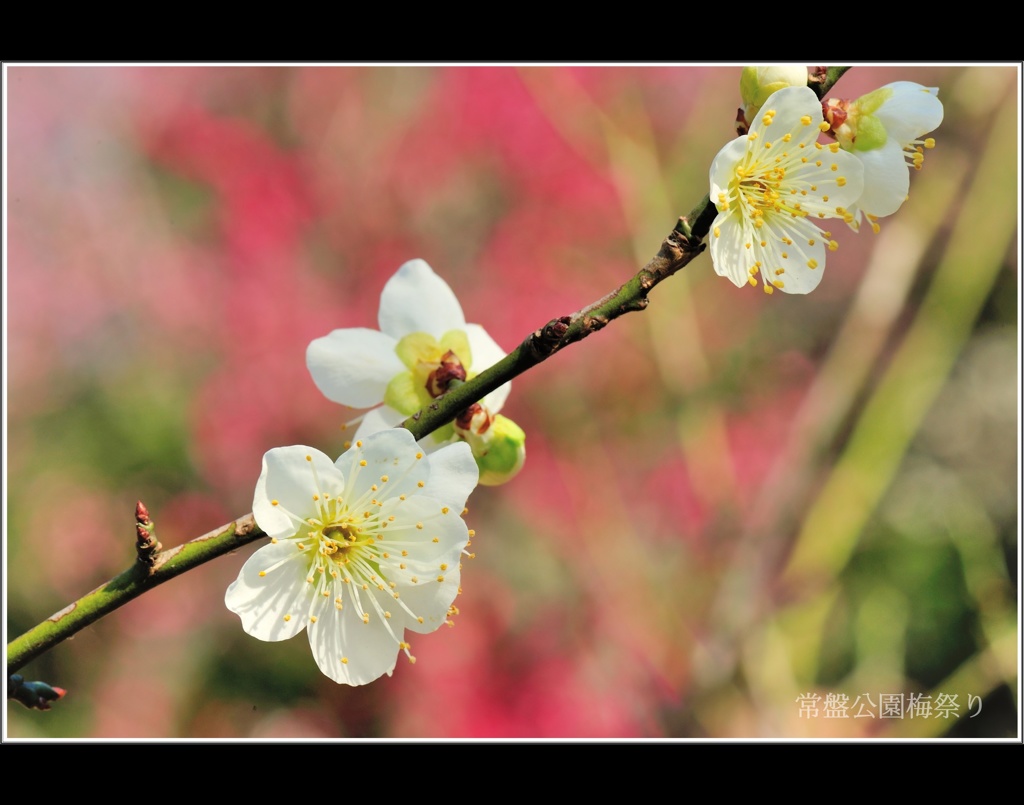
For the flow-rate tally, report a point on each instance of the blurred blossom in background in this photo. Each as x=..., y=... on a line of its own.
x=733, y=503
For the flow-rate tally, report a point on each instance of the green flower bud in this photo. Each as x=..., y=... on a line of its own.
x=503, y=452
x=757, y=84
x=498, y=444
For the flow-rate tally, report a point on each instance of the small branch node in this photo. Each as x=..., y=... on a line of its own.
x=244, y=526
x=146, y=544
x=548, y=339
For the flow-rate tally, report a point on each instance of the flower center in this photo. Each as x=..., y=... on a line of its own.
x=340, y=539
x=355, y=565
x=431, y=365
x=346, y=540
x=760, y=188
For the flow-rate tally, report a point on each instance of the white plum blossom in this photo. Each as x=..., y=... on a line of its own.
x=422, y=331
x=361, y=550
x=771, y=186
x=884, y=130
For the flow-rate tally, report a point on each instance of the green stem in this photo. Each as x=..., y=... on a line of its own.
x=676, y=251
x=832, y=75
x=678, y=248
x=128, y=585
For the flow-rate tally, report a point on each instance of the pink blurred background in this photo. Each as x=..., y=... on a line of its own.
x=730, y=500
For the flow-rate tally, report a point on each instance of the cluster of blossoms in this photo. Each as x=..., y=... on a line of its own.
x=368, y=547
x=773, y=184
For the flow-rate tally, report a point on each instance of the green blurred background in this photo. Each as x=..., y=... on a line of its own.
x=732, y=503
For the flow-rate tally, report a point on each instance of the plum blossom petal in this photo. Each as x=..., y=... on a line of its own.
x=385, y=454
x=486, y=353
x=887, y=180
x=452, y=479
x=911, y=111
x=283, y=486
x=379, y=419
x=353, y=366
x=416, y=300
x=264, y=606
x=335, y=633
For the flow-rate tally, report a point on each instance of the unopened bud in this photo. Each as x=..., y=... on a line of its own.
x=758, y=83
x=498, y=444
x=476, y=420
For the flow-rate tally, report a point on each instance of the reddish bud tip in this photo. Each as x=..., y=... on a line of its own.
x=449, y=369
